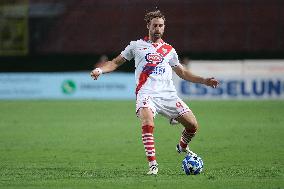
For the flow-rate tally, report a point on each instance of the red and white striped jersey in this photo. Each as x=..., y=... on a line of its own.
x=153, y=66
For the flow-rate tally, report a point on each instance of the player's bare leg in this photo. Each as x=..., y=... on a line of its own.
x=147, y=122
x=189, y=122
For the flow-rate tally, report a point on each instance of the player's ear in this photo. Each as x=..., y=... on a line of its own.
x=148, y=25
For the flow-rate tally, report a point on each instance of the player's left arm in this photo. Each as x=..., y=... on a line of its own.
x=187, y=75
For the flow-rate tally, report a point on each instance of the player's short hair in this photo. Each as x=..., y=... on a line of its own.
x=154, y=14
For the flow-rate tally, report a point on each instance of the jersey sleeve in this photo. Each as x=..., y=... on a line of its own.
x=174, y=61
x=128, y=52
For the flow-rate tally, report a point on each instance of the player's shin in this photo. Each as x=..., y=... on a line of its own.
x=186, y=136
x=148, y=141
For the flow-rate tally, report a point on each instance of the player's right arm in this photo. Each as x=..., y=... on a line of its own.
x=109, y=66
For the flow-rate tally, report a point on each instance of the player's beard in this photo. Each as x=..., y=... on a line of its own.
x=157, y=36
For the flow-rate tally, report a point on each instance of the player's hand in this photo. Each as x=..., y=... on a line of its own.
x=96, y=73
x=212, y=82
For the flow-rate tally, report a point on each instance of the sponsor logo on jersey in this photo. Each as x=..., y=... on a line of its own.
x=154, y=58
x=159, y=70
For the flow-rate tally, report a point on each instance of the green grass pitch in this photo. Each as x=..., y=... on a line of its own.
x=97, y=144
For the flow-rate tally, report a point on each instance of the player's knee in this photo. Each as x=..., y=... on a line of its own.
x=195, y=126
x=192, y=127
x=146, y=116
x=147, y=122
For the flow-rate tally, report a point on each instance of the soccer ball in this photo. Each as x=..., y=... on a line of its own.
x=192, y=165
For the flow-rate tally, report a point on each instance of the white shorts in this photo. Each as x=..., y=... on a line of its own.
x=172, y=107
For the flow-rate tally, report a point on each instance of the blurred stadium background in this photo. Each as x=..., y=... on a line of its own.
x=71, y=36
x=49, y=47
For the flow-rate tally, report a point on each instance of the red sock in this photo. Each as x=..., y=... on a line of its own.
x=148, y=141
x=186, y=136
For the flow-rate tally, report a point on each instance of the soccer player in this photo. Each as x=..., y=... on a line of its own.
x=155, y=92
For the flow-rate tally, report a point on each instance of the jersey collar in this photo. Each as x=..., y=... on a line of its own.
x=147, y=39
